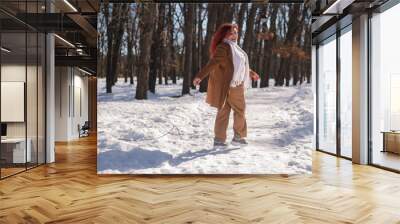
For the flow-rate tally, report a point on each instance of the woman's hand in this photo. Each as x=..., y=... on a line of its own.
x=196, y=81
x=254, y=76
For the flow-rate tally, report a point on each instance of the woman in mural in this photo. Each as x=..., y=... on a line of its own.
x=229, y=76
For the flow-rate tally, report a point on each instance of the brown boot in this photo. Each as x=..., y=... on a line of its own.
x=237, y=140
x=219, y=143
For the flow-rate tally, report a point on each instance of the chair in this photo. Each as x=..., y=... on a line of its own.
x=84, y=130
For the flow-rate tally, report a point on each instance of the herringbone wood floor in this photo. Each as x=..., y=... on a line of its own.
x=70, y=191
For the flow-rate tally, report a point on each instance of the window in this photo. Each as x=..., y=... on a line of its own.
x=327, y=96
x=385, y=89
x=346, y=93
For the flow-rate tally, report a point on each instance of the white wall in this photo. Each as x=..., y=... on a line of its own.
x=70, y=84
x=80, y=94
x=12, y=73
x=61, y=103
x=33, y=126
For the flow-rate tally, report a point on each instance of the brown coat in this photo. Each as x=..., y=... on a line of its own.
x=220, y=70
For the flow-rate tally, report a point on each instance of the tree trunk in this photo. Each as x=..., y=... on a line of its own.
x=109, y=77
x=212, y=11
x=284, y=72
x=155, y=53
x=161, y=53
x=121, y=17
x=172, y=57
x=269, y=44
x=242, y=10
x=225, y=13
x=110, y=35
x=258, y=45
x=130, y=59
x=188, y=40
x=135, y=34
x=248, y=38
x=147, y=22
x=307, y=45
x=100, y=43
x=199, y=39
x=195, y=63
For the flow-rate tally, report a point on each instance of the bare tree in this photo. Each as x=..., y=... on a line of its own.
x=179, y=44
x=286, y=57
x=187, y=72
x=170, y=33
x=131, y=28
x=148, y=14
x=249, y=35
x=240, y=19
x=199, y=37
x=212, y=11
x=155, y=52
x=268, y=45
x=110, y=35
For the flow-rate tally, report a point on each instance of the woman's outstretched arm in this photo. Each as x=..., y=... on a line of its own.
x=253, y=75
x=218, y=58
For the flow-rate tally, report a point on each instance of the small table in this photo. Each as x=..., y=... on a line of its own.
x=391, y=141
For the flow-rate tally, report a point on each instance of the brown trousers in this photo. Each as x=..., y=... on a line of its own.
x=235, y=101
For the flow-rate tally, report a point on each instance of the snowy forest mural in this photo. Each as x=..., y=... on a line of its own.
x=152, y=119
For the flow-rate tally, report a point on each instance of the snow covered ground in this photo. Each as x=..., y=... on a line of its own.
x=167, y=134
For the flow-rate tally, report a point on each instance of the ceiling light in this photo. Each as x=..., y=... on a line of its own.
x=70, y=5
x=86, y=72
x=337, y=7
x=5, y=50
x=79, y=51
x=64, y=40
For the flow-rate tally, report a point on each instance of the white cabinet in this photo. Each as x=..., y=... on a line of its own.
x=18, y=149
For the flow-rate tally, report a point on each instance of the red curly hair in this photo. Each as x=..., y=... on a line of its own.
x=219, y=35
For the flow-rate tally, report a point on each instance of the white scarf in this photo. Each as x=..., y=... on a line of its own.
x=240, y=64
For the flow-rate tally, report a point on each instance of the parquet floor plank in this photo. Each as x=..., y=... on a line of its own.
x=70, y=191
